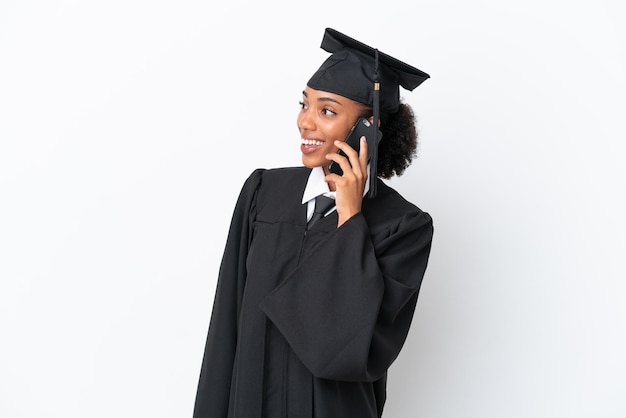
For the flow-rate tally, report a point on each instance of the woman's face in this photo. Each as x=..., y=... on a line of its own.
x=324, y=118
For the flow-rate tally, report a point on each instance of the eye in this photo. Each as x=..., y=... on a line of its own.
x=328, y=112
x=302, y=105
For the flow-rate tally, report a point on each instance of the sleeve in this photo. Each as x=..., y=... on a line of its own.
x=217, y=365
x=346, y=310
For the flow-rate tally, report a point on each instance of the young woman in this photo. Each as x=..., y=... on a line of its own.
x=308, y=318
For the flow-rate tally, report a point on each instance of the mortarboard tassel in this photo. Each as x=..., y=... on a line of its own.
x=373, y=145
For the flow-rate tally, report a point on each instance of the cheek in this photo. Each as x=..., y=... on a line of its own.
x=329, y=145
x=340, y=133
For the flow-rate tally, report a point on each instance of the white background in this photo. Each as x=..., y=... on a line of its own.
x=128, y=127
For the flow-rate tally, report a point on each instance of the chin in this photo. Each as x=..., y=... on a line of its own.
x=311, y=163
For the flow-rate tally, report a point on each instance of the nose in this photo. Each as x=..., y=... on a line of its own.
x=305, y=121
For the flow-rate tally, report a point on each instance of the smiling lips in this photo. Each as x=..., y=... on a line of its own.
x=310, y=145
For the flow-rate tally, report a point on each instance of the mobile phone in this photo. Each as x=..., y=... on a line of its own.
x=362, y=127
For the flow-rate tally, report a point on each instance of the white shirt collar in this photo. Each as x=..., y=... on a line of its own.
x=316, y=185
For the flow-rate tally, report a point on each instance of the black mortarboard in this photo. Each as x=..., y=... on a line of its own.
x=365, y=75
x=350, y=71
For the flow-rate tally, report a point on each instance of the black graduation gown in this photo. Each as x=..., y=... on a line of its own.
x=306, y=325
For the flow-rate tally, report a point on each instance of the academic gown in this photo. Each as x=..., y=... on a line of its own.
x=306, y=324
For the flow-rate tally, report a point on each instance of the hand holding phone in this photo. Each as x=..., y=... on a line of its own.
x=362, y=127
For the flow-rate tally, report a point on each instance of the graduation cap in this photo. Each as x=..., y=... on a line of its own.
x=365, y=75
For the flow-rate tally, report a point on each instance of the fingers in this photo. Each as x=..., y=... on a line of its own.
x=356, y=161
x=354, y=166
x=351, y=185
x=348, y=150
x=363, y=153
x=341, y=161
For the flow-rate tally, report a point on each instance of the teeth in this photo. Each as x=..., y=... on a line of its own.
x=312, y=142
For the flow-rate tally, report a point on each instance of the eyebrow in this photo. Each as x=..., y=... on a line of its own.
x=323, y=99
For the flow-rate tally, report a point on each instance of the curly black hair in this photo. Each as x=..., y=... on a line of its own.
x=398, y=146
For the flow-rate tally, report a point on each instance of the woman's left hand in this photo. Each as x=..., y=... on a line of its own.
x=351, y=185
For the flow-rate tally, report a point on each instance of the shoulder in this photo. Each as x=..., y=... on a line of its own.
x=276, y=176
x=276, y=183
x=390, y=210
x=285, y=175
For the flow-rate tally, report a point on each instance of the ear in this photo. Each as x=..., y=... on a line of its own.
x=371, y=120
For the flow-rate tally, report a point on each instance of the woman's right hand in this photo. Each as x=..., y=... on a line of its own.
x=351, y=185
